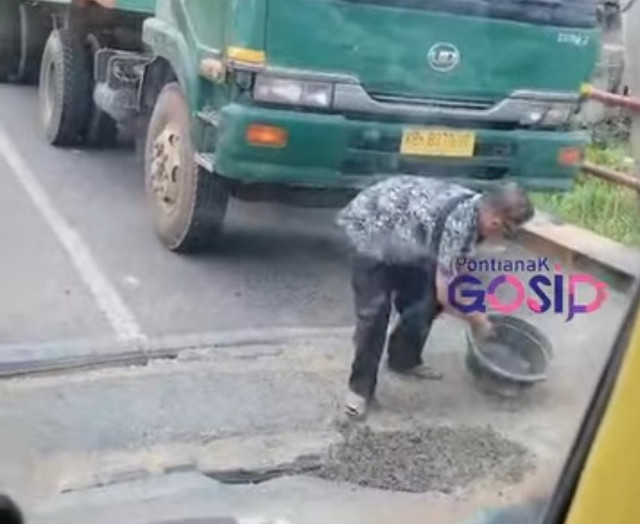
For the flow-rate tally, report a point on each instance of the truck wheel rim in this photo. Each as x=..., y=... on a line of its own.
x=166, y=169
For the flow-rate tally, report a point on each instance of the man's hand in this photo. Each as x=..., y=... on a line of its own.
x=442, y=290
x=481, y=326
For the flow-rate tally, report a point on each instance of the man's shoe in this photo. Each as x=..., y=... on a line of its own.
x=355, y=406
x=421, y=371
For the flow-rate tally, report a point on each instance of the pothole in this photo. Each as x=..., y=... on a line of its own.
x=437, y=458
x=426, y=459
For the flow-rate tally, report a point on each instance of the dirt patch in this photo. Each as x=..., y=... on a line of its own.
x=426, y=459
x=613, y=129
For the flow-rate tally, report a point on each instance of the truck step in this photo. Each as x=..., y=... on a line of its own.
x=206, y=161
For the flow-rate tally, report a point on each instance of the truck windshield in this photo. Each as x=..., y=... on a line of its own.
x=564, y=13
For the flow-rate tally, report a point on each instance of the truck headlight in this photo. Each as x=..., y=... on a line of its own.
x=547, y=115
x=292, y=92
x=557, y=115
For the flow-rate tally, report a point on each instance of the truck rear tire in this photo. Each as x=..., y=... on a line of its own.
x=35, y=27
x=9, y=39
x=187, y=203
x=65, y=89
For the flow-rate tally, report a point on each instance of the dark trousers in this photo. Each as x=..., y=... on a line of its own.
x=413, y=291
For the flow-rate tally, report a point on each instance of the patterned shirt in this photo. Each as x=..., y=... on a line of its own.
x=394, y=221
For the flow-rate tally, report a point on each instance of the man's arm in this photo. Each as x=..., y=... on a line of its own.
x=457, y=240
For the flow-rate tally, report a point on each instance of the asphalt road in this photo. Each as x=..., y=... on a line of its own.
x=79, y=259
x=276, y=267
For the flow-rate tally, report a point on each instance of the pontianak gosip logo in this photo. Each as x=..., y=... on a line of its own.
x=545, y=288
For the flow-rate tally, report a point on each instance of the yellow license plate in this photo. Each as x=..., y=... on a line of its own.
x=438, y=142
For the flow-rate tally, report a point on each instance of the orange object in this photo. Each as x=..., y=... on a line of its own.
x=570, y=156
x=267, y=136
x=611, y=99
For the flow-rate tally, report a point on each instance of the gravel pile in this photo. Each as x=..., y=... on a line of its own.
x=426, y=459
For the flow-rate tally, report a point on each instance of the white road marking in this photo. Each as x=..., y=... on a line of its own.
x=109, y=301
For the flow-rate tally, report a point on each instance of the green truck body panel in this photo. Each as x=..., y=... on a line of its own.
x=170, y=43
x=183, y=32
x=386, y=50
x=137, y=6
x=247, y=23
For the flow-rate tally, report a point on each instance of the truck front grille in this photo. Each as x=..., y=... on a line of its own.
x=474, y=105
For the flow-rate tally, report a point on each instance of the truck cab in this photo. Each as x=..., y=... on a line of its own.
x=287, y=98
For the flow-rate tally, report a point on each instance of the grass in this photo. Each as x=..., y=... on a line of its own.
x=605, y=208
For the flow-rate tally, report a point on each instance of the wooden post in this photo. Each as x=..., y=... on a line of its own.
x=616, y=177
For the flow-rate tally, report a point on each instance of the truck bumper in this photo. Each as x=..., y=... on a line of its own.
x=334, y=151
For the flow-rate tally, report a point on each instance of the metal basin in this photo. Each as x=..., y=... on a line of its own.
x=516, y=359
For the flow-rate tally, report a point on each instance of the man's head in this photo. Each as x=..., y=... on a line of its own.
x=503, y=209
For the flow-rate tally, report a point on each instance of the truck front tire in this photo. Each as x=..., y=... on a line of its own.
x=65, y=89
x=187, y=203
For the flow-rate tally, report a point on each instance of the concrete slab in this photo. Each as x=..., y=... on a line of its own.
x=259, y=405
x=189, y=497
x=580, y=248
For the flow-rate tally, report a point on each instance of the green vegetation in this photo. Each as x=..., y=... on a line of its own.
x=605, y=208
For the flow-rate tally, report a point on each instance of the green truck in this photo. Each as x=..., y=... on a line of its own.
x=307, y=101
